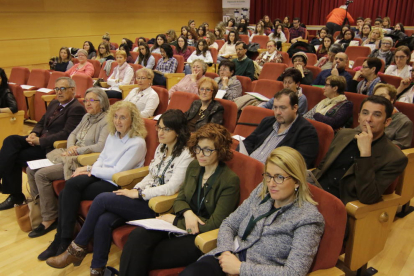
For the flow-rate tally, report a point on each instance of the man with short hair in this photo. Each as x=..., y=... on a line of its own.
x=285, y=128
x=244, y=65
x=369, y=72
x=296, y=32
x=361, y=164
x=61, y=118
x=338, y=69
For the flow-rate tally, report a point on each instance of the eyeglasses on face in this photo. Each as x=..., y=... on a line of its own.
x=207, y=90
x=277, y=178
x=164, y=129
x=143, y=78
x=61, y=89
x=400, y=57
x=91, y=101
x=206, y=152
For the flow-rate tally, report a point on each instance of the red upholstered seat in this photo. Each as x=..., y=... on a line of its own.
x=214, y=54
x=157, y=57
x=96, y=66
x=19, y=75
x=354, y=52
x=312, y=59
x=408, y=110
x=211, y=75
x=134, y=55
x=182, y=100
x=313, y=94
x=220, y=43
x=250, y=118
x=180, y=67
x=102, y=73
x=163, y=96
x=246, y=83
x=268, y=88
x=244, y=38
x=230, y=114
x=394, y=80
x=38, y=78
x=83, y=82
x=271, y=71
x=20, y=98
x=325, y=137
x=315, y=70
x=261, y=40
x=357, y=100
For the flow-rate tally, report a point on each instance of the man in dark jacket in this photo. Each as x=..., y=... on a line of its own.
x=61, y=118
x=286, y=128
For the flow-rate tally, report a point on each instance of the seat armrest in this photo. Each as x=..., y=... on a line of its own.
x=334, y=271
x=173, y=79
x=162, y=204
x=48, y=98
x=207, y=241
x=88, y=159
x=60, y=144
x=174, y=75
x=131, y=176
x=29, y=93
x=126, y=89
x=104, y=85
x=358, y=210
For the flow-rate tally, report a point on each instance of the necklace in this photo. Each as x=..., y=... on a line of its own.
x=201, y=113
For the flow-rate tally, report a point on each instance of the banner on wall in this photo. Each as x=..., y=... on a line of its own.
x=237, y=9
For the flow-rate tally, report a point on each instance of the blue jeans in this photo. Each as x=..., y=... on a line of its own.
x=109, y=211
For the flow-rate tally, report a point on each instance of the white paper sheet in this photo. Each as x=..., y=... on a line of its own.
x=156, y=118
x=38, y=164
x=258, y=96
x=238, y=137
x=220, y=94
x=44, y=90
x=26, y=86
x=157, y=224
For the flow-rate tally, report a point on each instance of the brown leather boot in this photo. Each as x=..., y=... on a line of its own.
x=73, y=255
x=97, y=271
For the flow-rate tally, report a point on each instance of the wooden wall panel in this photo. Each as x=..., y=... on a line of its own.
x=32, y=31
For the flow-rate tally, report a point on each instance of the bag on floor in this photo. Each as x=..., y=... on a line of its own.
x=28, y=214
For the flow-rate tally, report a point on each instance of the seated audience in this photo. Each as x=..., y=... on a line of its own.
x=405, y=92
x=192, y=38
x=104, y=53
x=400, y=130
x=286, y=22
x=327, y=61
x=88, y=137
x=189, y=82
x=258, y=31
x=386, y=23
x=291, y=79
x=211, y=41
x=182, y=48
x=338, y=69
x=88, y=46
x=206, y=109
x=361, y=164
x=375, y=37
x=140, y=40
x=244, y=65
x=231, y=26
x=208, y=175
x=271, y=55
x=228, y=51
x=201, y=31
x=278, y=35
x=324, y=47
x=184, y=31
x=401, y=68
x=227, y=81
x=319, y=39
x=219, y=32
x=384, y=53
x=296, y=32
x=398, y=33
x=192, y=25
x=335, y=110
x=128, y=42
x=144, y=97
x=348, y=36
x=359, y=24
x=159, y=40
x=166, y=64
x=365, y=33
x=123, y=74
x=60, y=119
x=111, y=210
x=171, y=37
x=369, y=71
x=368, y=21
x=83, y=66
x=8, y=103
x=300, y=60
x=340, y=36
x=125, y=47
x=300, y=234
x=202, y=53
x=63, y=62
x=286, y=128
x=106, y=39
x=268, y=25
x=124, y=149
x=378, y=22
x=145, y=58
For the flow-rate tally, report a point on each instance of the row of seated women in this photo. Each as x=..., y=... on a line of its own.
x=208, y=192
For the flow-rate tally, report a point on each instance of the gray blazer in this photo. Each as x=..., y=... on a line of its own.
x=95, y=137
x=284, y=243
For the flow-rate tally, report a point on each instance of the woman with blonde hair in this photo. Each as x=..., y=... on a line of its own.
x=219, y=32
x=103, y=54
x=124, y=149
x=375, y=37
x=123, y=74
x=189, y=82
x=280, y=211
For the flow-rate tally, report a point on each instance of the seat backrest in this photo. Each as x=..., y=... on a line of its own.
x=83, y=82
x=53, y=77
x=268, y=88
x=113, y=52
x=135, y=67
x=358, y=62
x=336, y=34
x=315, y=70
x=180, y=60
x=211, y=75
x=96, y=66
x=357, y=100
x=20, y=98
x=220, y=43
x=163, y=96
x=182, y=100
x=250, y=118
x=115, y=45
x=394, y=80
x=38, y=78
x=157, y=57
x=408, y=110
x=244, y=38
x=334, y=213
x=191, y=48
x=271, y=71
x=249, y=171
x=312, y=58
x=75, y=60
x=102, y=73
x=134, y=55
x=261, y=40
x=313, y=94
x=151, y=140
x=246, y=83
x=19, y=75
x=214, y=54
x=357, y=51
x=325, y=137
x=230, y=114
x=359, y=40
x=285, y=58
x=351, y=72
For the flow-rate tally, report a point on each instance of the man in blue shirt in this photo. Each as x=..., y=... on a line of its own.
x=338, y=69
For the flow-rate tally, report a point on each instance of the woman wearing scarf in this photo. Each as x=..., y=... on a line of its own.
x=335, y=110
x=123, y=74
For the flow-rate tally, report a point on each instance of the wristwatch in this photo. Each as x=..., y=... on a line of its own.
x=89, y=168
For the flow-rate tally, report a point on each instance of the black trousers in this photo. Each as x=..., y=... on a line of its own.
x=114, y=94
x=76, y=189
x=333, y=27
x=206, y=266
x=13, y=157
x=159, y=79
x=146, y=250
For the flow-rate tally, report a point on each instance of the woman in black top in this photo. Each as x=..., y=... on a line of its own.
x=8, y=103
x=63, y=62
x=88, y=46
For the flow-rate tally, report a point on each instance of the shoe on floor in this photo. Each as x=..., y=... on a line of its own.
x=49, y=252
x=11, y=200
x=41, y=230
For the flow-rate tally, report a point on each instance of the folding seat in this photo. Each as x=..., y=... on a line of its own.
x=357, y=100
x=113, y=52
x=354, y=52
x=38, y=78
x=315, y=70
x=157, y=57
x=325, y=137
x=408, y=110
x=268, y=88
x=163, y=96
x=182, y=100
x=19, y=75
x=312, y=59
x=83, y=82
x=17, y=91
x=246, y=83
x=192, y=48
x=11, y=124
x=286, y=58
x=102, y=74
x=394, y=80
x=313, y=94
x=250, y=118
x=96, y=66
x=287, y=33
x=134, y=55
x=271, y=71
x=220, y=43
x=244, y=38
x=230, y=114
x=115, y=45
x=180, y=67
x=261, y=40
x=211, y=75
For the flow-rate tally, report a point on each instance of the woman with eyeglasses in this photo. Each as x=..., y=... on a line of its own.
x=227, y=81
x=144, y=97
x=123, y=74
x=83, y=67
x=189, y=82
x=124, y=150
x=111, y=210
x=206, y=109
x=210, y=192
x=401, y=68
x=384, y=53
x=89, y=136
x=275, y=231
x=182, y=48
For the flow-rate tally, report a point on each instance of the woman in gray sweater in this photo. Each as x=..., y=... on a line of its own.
x=89, y=136
x=276, y=231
